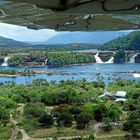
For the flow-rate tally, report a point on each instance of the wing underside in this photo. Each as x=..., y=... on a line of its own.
x=31, y=16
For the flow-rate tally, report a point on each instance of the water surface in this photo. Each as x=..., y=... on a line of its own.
x=92, y=72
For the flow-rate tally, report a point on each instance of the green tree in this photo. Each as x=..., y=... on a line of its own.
x=65, y=119
x=46, y=120
x=100, y=111
x=15, y=61
x=34, y=110
x=120, y=57
x=4, y=115
x=83, y=120
x=17, y=98
x=7, y=102
x=107, y=124
x=135, y=129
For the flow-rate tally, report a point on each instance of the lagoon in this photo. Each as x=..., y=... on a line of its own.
x=92, y=72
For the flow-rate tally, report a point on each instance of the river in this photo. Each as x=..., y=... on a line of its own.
x=92, y=72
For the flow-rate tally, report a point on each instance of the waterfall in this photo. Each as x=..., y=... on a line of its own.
x=45, y=62
x=110, y=61
x=5, y=63
x=132, y=60
x=99, y=61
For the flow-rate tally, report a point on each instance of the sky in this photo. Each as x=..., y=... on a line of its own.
x=24, y=34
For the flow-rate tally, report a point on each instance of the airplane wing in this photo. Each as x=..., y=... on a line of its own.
x=72, y=15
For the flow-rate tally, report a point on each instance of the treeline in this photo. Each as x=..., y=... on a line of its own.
x=68, y=47
x=16, y=72
x=128, y=42
x=120, y=57
x=20, y=59
x=53, y=59
x=61, y=59
x=48, y=48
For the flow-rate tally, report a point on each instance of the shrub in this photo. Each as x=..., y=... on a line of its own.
x=34, y=110
x=65, y=119
x=82, y=120
x=46, y=120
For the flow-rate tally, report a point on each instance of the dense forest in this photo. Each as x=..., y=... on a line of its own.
x=128, y=42
x=72, y=107
x=54, y=59
x=61, y=59
x=120, y=57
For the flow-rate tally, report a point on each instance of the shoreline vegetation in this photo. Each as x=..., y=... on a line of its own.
x=58, y=59
x=16, y=73
x=50, y=59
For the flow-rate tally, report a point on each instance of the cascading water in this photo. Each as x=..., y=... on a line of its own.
x=45, y=62
x=110, y=61
x=132, y=60
x=99, y=61
x=5, y=63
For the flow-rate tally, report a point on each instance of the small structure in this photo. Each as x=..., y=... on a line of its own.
x=121, y=94
x=105, y=94
x=120, y=100
x=121, y=97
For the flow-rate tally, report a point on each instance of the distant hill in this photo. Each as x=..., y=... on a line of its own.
x=73, y=46
x=84, y=37
x=10, y=43
x=76, y=39
x=128, y=42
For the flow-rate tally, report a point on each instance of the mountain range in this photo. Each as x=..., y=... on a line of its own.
x=65, y=38
x=82, y=37
x=10, y=43
x=128, y=42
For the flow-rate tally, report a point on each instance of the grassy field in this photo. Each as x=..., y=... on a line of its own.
x=5, y=132
x=116, y=134
x=59, y=132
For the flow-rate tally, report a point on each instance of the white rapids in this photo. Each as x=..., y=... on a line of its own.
x=136, y=75
x=5, y=63
x=99, y=61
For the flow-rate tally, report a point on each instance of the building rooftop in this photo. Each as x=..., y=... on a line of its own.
x=121, y=93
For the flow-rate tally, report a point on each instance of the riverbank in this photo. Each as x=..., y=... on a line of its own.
x=135, y=74
x=91, y=72
x=60, y=59
x=32, y=73
x=42, y=66
x=8, y=75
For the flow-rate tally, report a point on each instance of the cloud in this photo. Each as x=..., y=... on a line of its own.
x=23, y=34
